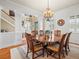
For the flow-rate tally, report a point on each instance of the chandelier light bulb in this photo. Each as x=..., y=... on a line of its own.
x=48, y=13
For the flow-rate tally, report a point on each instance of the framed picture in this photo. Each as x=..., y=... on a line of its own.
x=11, y=13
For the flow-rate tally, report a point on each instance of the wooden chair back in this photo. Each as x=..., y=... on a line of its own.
x=26, y=35
x=41, y=37
x=41, y=32
x=30, y=42
x=62, y=42
x=67, y=39
x=33, y=34
x=46, y=37
x=57, y=32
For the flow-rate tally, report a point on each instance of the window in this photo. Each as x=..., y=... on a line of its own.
x=74, y=24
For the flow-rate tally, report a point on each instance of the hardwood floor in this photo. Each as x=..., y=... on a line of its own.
x=16, y=53
x=5, y=53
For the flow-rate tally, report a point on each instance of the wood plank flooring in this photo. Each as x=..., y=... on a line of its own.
x=5, y=53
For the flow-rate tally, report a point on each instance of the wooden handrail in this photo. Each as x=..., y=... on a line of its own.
x=7, y=14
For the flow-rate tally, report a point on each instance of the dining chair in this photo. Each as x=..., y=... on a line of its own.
x=28, y=51
x=66, y=45
x=56, y=35
x=33, y=34
x=41, y=32
x=57, y=32
x=34, y=48
x=47, y=32
x=57, y=49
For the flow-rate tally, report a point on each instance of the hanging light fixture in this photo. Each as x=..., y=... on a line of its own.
x=48, y=13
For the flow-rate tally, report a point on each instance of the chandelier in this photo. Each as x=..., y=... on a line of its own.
x=48, y=13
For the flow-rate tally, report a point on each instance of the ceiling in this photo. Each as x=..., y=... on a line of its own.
x=41, y=5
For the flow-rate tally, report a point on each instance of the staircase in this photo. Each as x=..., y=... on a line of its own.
x=9, y=21
x=7, y=18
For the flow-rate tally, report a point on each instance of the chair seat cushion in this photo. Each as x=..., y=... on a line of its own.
x=54, y=48
x=37, y=48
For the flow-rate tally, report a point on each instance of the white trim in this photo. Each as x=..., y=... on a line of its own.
x=74, y=45
x=7, y=21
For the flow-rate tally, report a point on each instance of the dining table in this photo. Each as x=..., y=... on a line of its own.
x=45, y=41
x=50, y=38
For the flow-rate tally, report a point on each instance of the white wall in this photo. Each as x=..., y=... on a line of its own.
x=19, y=11
x=65, y=14
x=40, y=23
x=7, y=38
x=61, y=14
